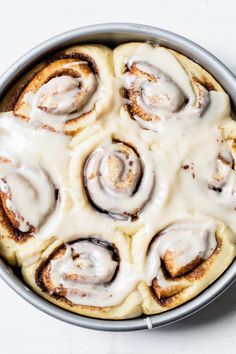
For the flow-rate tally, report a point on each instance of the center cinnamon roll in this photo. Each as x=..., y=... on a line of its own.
x=116, y=180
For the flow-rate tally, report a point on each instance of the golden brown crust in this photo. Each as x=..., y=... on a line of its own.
x=43, y=271
x=13, y=217
x=198, y=268
x=54, y=69
x=197, y=73
x=38, y=277
x=10, y=224
x=91, y=60
x=41, y=75
x=77, y=56
x=169, y=264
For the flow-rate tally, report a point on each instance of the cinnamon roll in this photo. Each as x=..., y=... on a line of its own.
x=30, y=186
x=117, y=179
x=211, y=175
x=86, y=276
x=27, y=198
x=184, y=259
x=222, y=181
x=114, y=175
x=159, y=84
x=66, y=92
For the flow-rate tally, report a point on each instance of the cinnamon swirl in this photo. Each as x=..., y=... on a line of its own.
x=182, y=259
x=160, y=84
x=66, y=92
x=31, y=194
x=88, y=276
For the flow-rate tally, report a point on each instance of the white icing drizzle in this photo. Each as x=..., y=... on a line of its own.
x=163, y=97
x=113, y=173
x=185, y=241
x=163, y=60
x=30, y=196
x=40, y=164
x=59, y=95
x=223, y=182
x=64, y=98
x=87, y=278
x=158, y=97
x=93, y=265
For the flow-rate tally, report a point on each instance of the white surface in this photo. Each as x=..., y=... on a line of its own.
x=23, y=24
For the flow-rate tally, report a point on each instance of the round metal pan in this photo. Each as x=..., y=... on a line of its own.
x=112, y=35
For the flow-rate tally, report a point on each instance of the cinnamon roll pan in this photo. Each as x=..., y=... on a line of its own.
x=113, y=35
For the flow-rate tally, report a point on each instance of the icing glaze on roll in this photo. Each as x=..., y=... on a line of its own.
x=181, y=247
x=223, y=181
x=33, y=165
x=69, y=92
x=86, y=271
x=178, y=256
x=28, y=196
x=64, y=97
x=65, y=94
x=158, y=88
x=117, y=180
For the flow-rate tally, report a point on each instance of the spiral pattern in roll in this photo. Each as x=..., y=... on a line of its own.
x=223, y=180
x=181, y=259
x=152, y=94
x=176, y=252
x=28, y=197
x=80, y=270
x=117, y=181
x=68, y=92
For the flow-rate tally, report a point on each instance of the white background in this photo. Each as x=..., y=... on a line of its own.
x=24, y=24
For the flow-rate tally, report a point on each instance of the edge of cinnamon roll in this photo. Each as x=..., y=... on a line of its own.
x=152, y=89
x=39, y=278
x=18, y=229
x=222, y=183
x=69, y=90
x=190, y=280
